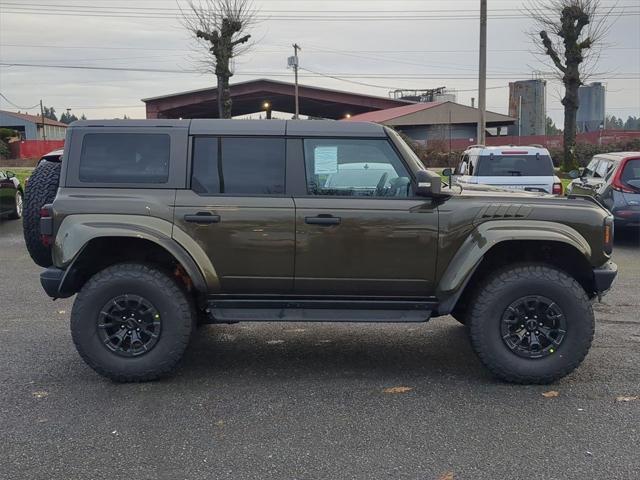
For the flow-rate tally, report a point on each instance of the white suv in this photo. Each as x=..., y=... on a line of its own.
x=520, y=168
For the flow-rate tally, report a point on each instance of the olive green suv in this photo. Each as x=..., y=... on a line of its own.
x=158, y=226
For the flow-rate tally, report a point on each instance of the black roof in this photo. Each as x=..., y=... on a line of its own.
x=317, y=128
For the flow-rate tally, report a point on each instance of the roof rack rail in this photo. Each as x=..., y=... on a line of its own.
x=477, y=146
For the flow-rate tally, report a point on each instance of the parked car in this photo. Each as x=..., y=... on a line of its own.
x=11, y=195
x=220, y=221
x=520, y=168
x=614, y=180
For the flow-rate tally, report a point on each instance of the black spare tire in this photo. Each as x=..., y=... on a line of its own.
x=40, y=190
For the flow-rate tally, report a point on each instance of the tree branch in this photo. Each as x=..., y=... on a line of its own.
x=548, y=45
x=244, y=39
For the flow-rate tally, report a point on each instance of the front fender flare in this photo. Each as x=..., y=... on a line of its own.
x=485, y=237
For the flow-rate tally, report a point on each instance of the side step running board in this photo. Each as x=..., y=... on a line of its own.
x=232, y=311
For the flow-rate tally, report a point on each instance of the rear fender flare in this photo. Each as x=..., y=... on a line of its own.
x=76, y=231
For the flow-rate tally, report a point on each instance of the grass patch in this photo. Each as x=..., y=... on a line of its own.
x=21, y=172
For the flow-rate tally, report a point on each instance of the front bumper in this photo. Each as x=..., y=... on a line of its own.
x=604, y=277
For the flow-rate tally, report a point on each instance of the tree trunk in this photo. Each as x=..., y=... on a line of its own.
x=571, y=102
x=226, y=98
x=219, y=95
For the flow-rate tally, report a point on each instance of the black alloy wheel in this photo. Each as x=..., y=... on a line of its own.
x=533, y=327
x=129, y=325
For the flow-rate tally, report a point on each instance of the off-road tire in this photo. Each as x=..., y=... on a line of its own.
x=177, y=314
x=17, y=211
x=506, y=286
x=40, y=190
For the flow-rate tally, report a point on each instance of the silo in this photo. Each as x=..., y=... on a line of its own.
x=528, y=105
x=592, y=107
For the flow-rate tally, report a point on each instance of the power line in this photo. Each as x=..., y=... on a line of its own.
x=17, y=106
x=282, y=48
x=50, y=10
x=442, y=76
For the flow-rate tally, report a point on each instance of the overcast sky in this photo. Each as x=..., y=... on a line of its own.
x=401, y=44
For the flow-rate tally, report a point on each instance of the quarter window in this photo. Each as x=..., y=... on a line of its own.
x=355, y=167
x=125, y=158
x=238, y=166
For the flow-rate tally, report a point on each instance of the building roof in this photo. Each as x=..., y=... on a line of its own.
x=248, y=97
x=432, y=113
x=35, y=119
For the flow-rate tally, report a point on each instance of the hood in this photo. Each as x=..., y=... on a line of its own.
x=479, y=190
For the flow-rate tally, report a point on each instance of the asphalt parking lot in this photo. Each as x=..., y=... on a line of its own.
x=307, y=401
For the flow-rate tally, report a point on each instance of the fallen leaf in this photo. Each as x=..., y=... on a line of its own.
x=551, y=394
x=40, y=394
x=397, y=390
x=627, y=399
x=62, y=312
x=446, y=476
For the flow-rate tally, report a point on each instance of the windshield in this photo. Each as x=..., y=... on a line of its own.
x=515, y=166
x=631, y=174
x=406, y=150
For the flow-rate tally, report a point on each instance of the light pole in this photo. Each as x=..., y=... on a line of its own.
x=266, y=106
x=293, y=62
x=482, y=80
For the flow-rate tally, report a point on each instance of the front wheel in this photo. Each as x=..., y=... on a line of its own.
x=531, y=324
x=132, y=323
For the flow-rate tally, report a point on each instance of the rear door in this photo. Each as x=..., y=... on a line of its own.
x=237, y=210
x=366, y=235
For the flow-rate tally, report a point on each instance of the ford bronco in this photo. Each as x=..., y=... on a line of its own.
x=160, y=225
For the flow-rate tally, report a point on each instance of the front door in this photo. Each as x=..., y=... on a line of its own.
x=237, y=211
x=359, y=229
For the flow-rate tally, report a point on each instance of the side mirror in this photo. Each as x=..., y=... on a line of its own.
x=574, y=174
x=447, y=172
x=428, y=184
x=10, y=174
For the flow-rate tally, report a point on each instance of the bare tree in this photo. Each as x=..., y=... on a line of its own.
x=570, y=33
x=221, y=26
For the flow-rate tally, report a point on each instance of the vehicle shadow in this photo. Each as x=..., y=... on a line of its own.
x=434, y=352
x=627, y=237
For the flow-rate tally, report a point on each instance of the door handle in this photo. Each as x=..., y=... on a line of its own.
x=322, y=220
x=202, y=218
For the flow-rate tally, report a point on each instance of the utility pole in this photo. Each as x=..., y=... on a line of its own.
x=296, y=47
x=44, y=135
x=482, y=81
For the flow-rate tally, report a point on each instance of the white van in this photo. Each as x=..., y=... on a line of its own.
x=519, y=168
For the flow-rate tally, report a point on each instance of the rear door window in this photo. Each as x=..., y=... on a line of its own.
x=515, y=166
x=238, y=166
x=125, y=158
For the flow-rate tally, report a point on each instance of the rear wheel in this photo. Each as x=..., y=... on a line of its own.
x=40, y=190
x=531, y=324
x=132, y=323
